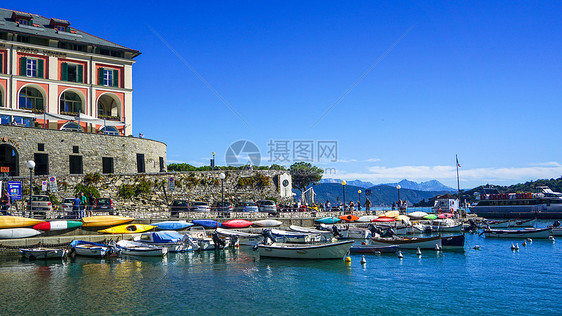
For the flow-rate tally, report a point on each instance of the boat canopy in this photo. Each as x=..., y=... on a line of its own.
x=166, y=236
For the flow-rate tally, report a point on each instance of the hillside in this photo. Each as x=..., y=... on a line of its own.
x=530, y=186
x=431, y=185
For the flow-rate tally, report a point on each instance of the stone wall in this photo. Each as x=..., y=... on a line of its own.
x=59, y=145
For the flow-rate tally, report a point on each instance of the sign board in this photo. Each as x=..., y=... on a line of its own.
x=5, y=169
x=368, y=192
x=14, y=190
x=53, y=184
x=44, y=185
x=171, y=184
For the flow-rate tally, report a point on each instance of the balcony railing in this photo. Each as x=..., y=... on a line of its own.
x=109, y=117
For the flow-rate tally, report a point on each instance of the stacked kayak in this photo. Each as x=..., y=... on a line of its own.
x=328, y=220
x=17, y=221
x=237, y=223
x=13, y=233
x=57, y=225
x=172, y=225
x=207, y=223
x=127, y=229
x=101, y=221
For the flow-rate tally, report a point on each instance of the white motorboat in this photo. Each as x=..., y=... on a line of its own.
x=244, y=238
x=133, y=248
x=308, y=230
x=440, y=225
x=518, y=233
x=409, y=243
x=335, y=250
x=295, y=237
x=199, y=235
x=43, y=253
x=171, y=239
x=91, y=249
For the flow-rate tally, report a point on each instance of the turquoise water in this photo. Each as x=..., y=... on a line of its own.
x=493, y=280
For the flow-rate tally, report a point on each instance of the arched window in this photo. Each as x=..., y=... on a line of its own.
x=31, y=98
x=1, y=98
x=72, y=126
x=70, y=103
x=108, y=108
x=9, y=158
x=109, y=130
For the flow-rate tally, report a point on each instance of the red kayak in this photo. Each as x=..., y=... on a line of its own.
x=384, y=219
x=349, y=218
x=237, y=223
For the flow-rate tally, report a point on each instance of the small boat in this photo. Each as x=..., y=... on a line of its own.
x=384, y=219
x=268, y=223
x=417, y=215
x=349, y=218
x=523, y=223
x=207, y=223
x=349, y=232
x=367, y=218
x=518, y=233
x=172, y=225
x=409, y=242
x=199, y=235
x=91, y=249
x=13, y=233
x=295, y=237
x=308, y=230
x=57, y=225
x=244, y=239
x=43, y=253
x=440, y=225
x=17, y=221
x=328, y=220
x=104, y=221
x=335, y=250
x=171, y=239
x=430, y=216
x=127, y=229
x=373, y=249
x=557, y=231
x=237, y=223
x=392, y=214
x=498, y=224
x=133, y=248
x=453, y=242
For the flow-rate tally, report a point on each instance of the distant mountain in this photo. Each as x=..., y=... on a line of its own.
x=357, y=183
x=431, y=185
x=380, y=194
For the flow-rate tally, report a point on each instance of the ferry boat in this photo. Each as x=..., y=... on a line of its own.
x=546, y=204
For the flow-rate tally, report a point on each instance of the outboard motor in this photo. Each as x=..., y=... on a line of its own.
x=556, y=224
x=374, y=230
x=388, y=232
x=268, y=237
x=336, y=232
x=219, y=243
x=472, y=226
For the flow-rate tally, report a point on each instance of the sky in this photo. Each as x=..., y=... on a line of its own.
x=379, y=90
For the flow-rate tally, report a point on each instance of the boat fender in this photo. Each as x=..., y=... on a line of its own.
x=363, y=260
x=255, y=248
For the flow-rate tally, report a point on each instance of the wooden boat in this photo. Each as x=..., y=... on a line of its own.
x=207, y=223
x=336, y=250
x=367, y=218
x=237, y=223
x=57, y=225
x=127, y=229
x=523, y=223
x=171, y=239
x=328, y=220
x=13, y=233
x=268, y=223
x=453, y=242
x=295, y=237
x=172, y=225
x=106, y=220
x=43, y=253
x=384, y=219
x=417, y=215
x=392, y=214
x=244, y=239
x=349, y=218
x=91, y=249
x=133, y=248
x=409, y=242
x=518, y=233
x=373, y=249
x=17, y=221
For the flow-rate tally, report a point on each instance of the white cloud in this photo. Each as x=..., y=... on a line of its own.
x=372, y=160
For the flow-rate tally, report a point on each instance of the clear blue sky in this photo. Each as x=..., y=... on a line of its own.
x=479, y=79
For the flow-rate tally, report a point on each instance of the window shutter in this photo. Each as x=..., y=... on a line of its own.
x=23, y=66
x=30, y=22
x=67, y=29
x=1, y=64
x=80, y=74
x=116, y=78
x=100, y=76
x=64, y=72
x=40, y=65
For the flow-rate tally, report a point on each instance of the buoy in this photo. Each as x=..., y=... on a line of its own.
x=418, y=252
x=477, y=247
x=377, y=252
x=551, y=238
x=363, y=261
x=347, y=259
x=524, y=244
x=400, y=256
x=437, y=248
x=530, y=240
x=517, y=246
x=512, y=246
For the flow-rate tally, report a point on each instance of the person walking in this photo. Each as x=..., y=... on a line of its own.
x=5, y=203
x=368, y=205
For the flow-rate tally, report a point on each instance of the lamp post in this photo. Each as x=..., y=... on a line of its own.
x=343, y=183
x=30, y=164
x=359, y=203
x=213, y=161
x=398, y=187
x=222, y=176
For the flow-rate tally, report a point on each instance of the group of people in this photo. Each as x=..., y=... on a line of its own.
x=5, y=203
x=80, y=205
x=400, y=205
x=350, y=207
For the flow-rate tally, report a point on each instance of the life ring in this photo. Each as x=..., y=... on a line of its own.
x=452, y=211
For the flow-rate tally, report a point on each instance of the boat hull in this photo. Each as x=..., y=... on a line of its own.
x=139, y=249
x=268, y=223
x=97, y=251
x=237, y=223
x=207, y=223
x=172, y=225
x=557, y=231
x=328, y=220
x=13, y=233
x=57, y=225
x=520, y=233
x=103, y=221
x=127, y=229
x=43, y=253
x=409, y=243
x=16, y=222
x=453, y=242
x=540, y=211
x=373, y=249
x=335, y=250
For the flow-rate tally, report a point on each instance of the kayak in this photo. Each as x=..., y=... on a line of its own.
x=208, y=223
x=127, y=229
x=12, y=233
x=268, y=223
x=328, y=220
x=108, y=220
x=445, y=215
x=237, y=223
x=402, y=218
x=57, y=225
x=16, y=221
x=172, y=225
x=367, y=218
x=384, y=219
x=391, y=214
x=417, y=215
x=430, y=216
x=349, y=218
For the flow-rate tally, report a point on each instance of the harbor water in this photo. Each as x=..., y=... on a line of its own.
x=492, y=280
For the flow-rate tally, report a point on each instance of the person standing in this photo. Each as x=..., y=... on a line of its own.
x=368, y=205
x=91, y=202
x=5, y=203
x=76, y=206
x=83, y=204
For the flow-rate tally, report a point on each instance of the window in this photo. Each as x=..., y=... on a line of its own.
x=72, y=126
x=109, y=130
x=61, y=28
x=31, y=68
x=70, y=103
x=107, y=165
x=23, y=22
x=31, y=98
x=108, y=108
x=40, y=147
x=41, y=164
x=162, y=167
x=140, y=163
x=107, y=77
x=75, y=163
x=21, y=121
x=72, y=72
x=76, y=149
x=22, y=39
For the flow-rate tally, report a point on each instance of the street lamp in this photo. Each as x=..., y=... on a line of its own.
x=343, y=183
x=398, y=187
x=213, y=161
x=359, y=203
x=222, y=176
x=30, y=164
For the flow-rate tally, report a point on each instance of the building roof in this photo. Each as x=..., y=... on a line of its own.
x=45, y=30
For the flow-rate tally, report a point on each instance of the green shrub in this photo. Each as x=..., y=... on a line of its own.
x=126, y=191
x=92, y=178
x=246, y=181
x=87, y=190
x=143, y=187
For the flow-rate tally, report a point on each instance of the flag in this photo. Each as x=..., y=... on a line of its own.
x=458, y=164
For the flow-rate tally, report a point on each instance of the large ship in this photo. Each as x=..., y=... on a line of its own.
x=546, y=204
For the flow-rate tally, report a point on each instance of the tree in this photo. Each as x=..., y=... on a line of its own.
x=305, y=174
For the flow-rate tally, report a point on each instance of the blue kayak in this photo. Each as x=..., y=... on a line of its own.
x=172, y=225
x=328, y=220
x=207, y=223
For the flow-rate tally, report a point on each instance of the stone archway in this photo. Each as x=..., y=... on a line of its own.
x=9, y=157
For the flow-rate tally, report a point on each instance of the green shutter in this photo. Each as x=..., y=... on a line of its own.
x=80, y=74
x=40, y=70
x=1, y=64
x=30, y=22
x=64, y=71
x=100, y=76
x=23, y=65
x=116, y=78
x=67, y=29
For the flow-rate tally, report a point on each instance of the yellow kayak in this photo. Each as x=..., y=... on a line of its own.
x=16, y=221
x=100, y=221
x=392, y=214
x=127, y=229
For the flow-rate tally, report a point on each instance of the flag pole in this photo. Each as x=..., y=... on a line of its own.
x=458, y=180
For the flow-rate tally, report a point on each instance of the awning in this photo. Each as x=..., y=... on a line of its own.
x=56, y=117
